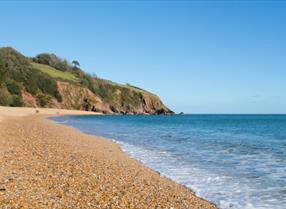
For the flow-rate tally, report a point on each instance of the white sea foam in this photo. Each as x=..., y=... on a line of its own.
x=223, y=190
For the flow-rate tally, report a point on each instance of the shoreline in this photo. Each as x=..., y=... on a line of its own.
x=69, y=161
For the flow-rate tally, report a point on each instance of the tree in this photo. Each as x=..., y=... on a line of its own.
x=75, y=63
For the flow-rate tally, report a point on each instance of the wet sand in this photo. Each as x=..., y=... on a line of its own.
x=46, y=165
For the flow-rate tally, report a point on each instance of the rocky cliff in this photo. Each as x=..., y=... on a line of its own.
x=48, y=81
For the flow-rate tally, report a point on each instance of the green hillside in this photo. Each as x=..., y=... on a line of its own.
x=54, y=72
x=49, y=81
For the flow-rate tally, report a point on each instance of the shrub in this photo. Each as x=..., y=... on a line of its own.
x=47, y=85
x=42, y=100
x=53, y=61
x=17, y=101
x=32, y=85
x=58, y=97
x=13, y=87
x=62, y=66
x=5, y=97
x=44, y=58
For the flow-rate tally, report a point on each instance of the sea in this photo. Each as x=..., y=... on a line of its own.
x=234, y=161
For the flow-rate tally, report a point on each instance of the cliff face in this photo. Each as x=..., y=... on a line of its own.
x=77, y=97
x=48, y=81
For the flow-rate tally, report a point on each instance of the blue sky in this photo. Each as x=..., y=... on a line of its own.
x=198, y=56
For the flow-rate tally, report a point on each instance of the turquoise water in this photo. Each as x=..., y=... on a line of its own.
x=235, y=161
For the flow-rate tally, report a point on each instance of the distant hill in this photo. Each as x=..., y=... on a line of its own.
x=49, y=81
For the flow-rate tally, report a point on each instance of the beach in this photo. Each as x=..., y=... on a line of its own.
x=47, y=165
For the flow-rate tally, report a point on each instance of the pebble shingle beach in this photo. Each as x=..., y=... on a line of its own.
x=46, y=165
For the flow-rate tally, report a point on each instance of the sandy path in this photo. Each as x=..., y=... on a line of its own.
x=44, y=165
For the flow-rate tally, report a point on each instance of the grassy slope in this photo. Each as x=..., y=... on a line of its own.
x=70, y=77
x=55, y=73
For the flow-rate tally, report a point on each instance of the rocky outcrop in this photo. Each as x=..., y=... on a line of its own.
x=77, y=97
x=80, y=98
